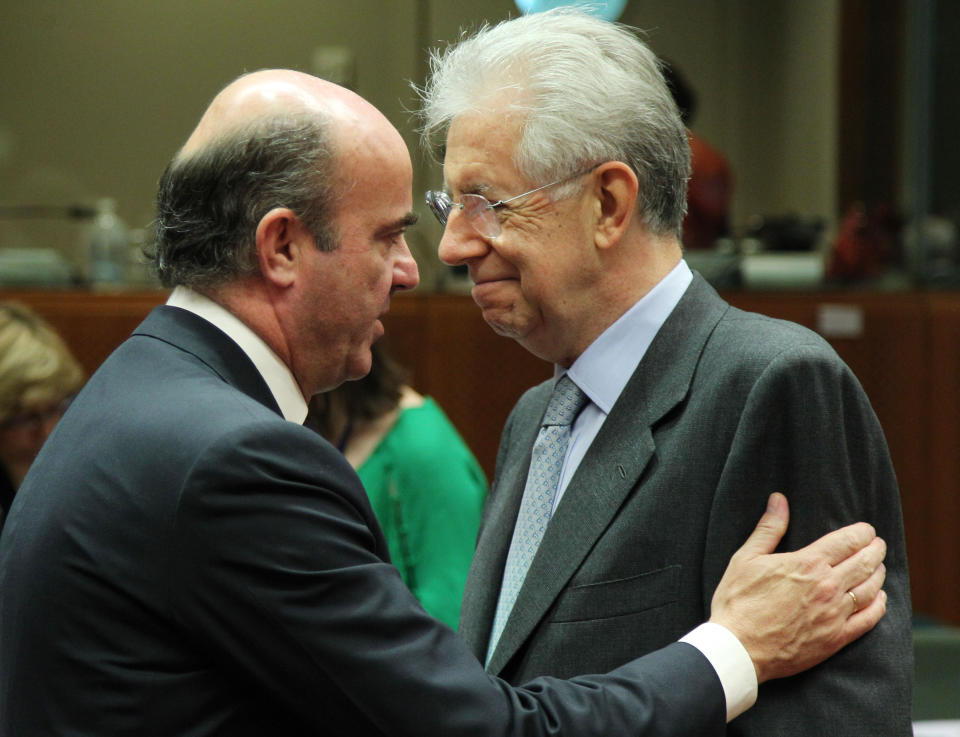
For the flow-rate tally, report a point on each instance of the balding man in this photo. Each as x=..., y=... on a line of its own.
x=185, y=559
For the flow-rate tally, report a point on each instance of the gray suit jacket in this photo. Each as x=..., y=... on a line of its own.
x=725, y=408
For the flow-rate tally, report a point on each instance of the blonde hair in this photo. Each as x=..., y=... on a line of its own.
x=36, y=367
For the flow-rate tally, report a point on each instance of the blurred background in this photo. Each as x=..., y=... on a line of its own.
x=827, y=111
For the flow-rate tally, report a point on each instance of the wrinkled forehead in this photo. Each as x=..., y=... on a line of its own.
x=481, y=148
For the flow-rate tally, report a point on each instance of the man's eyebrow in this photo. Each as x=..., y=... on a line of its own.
x=409, y=219
x=470, y=187
x=402, y=223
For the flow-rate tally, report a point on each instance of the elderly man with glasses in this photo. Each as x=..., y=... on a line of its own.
x=609, y=540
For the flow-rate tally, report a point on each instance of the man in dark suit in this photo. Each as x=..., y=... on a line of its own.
x=185, y=559
x=566, y=164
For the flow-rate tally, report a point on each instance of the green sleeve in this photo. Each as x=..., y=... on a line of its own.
x=427, y=491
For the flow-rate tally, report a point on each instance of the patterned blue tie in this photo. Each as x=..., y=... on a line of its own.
x=536, y=507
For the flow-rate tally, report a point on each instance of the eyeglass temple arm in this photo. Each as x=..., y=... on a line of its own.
x=580, y=173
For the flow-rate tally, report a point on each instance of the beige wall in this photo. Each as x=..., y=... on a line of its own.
x=766, y=77
x=98, y=94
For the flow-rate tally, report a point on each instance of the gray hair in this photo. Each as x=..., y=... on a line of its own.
x=588, y=90
x=210, y=202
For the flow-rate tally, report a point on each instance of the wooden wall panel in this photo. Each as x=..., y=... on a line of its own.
x=93, y=325
x=938, y=568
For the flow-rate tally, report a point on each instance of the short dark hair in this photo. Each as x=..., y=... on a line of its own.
x=210, y=202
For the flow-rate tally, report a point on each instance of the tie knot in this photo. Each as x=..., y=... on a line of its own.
x=565, y=403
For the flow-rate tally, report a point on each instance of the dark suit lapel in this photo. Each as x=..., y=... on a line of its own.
x=210, y=345
x=614, y=463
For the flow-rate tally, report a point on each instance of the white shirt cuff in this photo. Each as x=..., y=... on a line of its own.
x=732, y=663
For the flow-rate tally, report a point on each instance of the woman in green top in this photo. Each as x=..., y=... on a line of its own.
x=425, y=486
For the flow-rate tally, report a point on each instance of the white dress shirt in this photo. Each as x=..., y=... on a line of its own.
x=602, y=371
x=274, y=371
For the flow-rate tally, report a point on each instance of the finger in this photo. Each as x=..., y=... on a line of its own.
x=864, y=594
x=770, y=529
x=856, y=569
x=864, y=620
x=840, y=544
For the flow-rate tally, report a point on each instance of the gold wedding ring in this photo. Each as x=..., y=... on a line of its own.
x=856, y=604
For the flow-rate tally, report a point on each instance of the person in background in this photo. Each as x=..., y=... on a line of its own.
x=710, y=188
x=186, y=558
x=426, y=488
x=38, y=378
x=566, y=165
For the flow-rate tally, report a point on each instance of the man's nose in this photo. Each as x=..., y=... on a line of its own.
x=460, y=242
x=406, y=275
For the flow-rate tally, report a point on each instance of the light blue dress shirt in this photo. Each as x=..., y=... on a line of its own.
x=603, y=370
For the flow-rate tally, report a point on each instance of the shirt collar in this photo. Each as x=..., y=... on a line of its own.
x=274, y=371
x=603, y=370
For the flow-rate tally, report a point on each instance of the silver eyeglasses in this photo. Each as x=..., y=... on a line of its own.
x=481, y=212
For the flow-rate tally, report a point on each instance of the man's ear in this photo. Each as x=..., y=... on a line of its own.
x=616, y=189
x=280, y=235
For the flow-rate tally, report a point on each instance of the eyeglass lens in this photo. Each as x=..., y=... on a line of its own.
x=481, y=215
x=480, y=212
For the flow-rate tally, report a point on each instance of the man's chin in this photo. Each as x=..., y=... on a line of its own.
x=500, y=311
x=509, y=320
x=358, y=369
x=378, y=331
x=496, y=291
x=506, y=323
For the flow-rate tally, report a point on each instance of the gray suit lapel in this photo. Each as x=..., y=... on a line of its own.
x=611, y=468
